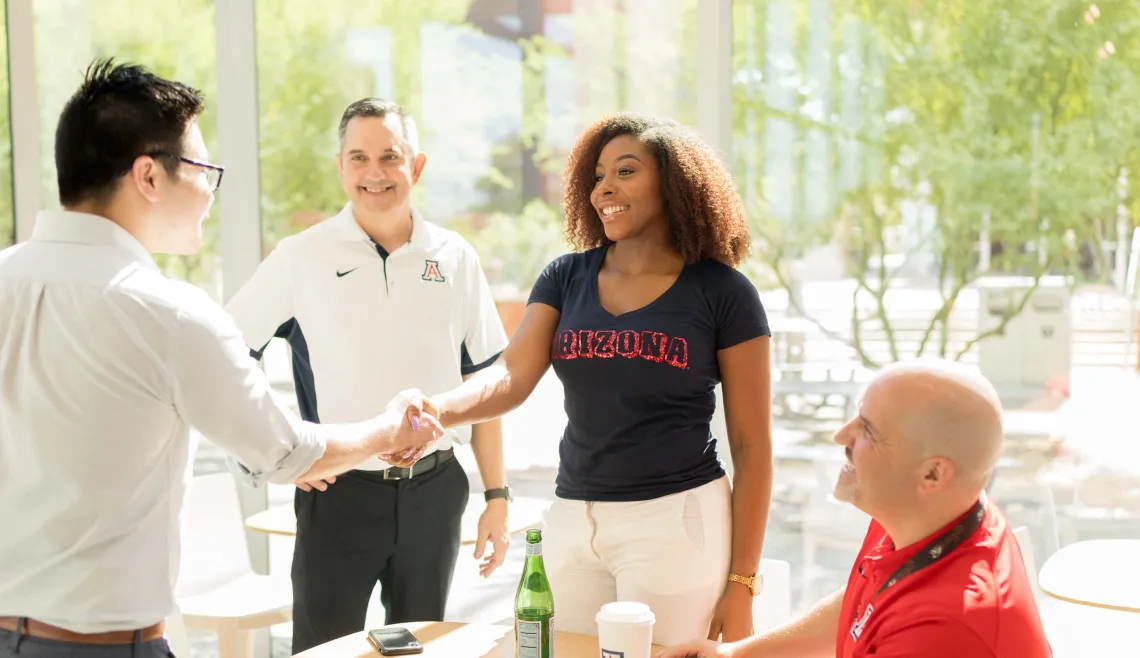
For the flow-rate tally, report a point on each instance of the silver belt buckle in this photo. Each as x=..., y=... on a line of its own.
x=388, y=473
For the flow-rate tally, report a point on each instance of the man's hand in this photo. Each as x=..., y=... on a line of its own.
x=699, y=649
x=419, y=428
x=319, y=485
x=732, y=619
x=412, y=398
x=404, y=458
x=493, y=528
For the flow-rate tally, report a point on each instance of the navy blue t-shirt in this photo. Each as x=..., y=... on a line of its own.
x=640, y=387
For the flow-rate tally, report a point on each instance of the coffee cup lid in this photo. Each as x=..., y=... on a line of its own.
x=626, y=612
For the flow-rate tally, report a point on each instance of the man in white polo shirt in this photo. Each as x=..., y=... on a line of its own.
x=372, y=301
x=104, y=366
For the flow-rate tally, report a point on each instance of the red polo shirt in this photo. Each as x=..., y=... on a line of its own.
x=975, y=601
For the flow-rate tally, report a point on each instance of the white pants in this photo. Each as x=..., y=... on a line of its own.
x=670, y=553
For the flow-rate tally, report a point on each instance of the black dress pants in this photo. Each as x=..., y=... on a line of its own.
x=404, y=533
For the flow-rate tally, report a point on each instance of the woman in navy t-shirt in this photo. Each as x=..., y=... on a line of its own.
x=640, y=326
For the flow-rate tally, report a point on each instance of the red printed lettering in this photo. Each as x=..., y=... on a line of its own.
x=604, y=343
x=653, y=346
x=678, y=354
x=586, y=344
x=628, y=342
x=566, y=345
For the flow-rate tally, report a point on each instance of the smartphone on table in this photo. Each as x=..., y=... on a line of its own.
x=394, y=641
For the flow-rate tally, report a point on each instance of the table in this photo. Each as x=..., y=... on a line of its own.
x=456, y=640
x=1102, y=573
x=525, y=513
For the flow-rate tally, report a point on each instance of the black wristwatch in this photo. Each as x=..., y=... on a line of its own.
x=501, y=492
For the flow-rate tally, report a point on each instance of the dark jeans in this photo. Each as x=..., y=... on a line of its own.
x=13, y=645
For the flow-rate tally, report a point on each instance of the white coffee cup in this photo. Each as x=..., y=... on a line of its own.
x=625, y=630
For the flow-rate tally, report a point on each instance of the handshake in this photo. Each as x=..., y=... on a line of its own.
x=400, y=435
x=418, y=428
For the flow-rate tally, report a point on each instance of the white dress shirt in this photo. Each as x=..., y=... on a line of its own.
x=104, y=366
x=364, y=326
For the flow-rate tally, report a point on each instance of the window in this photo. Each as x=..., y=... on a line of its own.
x=500, y=91
x=175, y=39
x=912, y=158
x=7, y=211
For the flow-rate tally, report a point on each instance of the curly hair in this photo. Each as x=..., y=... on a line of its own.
x=706, y=217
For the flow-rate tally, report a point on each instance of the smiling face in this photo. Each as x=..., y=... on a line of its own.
x=627, y=189
x=376, y=165
x=884, y=470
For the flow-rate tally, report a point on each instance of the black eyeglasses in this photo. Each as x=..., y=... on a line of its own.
x=213, y=172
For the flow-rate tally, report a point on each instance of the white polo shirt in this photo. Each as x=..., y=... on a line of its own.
x=104, y=366
x=363, y=327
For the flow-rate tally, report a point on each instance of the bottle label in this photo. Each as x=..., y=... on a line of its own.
x=529, y=640
x=534, y=549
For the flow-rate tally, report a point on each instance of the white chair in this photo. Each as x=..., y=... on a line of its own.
x=1025, y=543
x=773, y=608
x=217, y=587
x=176, y=635
x=1059, y=630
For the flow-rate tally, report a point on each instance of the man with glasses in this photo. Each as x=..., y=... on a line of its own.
x=105, y=364
x=374, y=300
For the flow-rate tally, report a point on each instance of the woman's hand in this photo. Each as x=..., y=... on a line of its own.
x=732, y=619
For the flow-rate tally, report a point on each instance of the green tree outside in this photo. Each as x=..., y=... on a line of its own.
x=1010, y=118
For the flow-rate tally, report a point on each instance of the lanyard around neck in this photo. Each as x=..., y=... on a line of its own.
x=940, y=546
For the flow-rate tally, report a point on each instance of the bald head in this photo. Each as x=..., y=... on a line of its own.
x=945, y=409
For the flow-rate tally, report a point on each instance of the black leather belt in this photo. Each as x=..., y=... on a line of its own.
x=437, y=458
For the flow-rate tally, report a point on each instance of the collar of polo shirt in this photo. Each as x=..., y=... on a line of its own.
x=350, y=230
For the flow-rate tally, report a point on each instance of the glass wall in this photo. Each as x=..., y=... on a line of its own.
x=7, y=212
x=174, y=38
x=897, y=158
x=844, y=128
x=926, y=178
x=500, y=90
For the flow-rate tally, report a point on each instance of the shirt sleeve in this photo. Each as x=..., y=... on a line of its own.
x=737, y=308
x=549, y=287
x=265, y=302
x=225, y=395
x=483, y=335
x=939, y=637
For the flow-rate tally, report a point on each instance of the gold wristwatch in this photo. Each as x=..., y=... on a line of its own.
x=753, y=583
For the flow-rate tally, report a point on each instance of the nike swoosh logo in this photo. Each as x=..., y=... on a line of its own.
x=340, y=274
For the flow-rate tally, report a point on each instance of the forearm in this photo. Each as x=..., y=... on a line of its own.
x=751, y=496
x=485, y=396
x=349, y=445
x=487, y=444
x=810, y=636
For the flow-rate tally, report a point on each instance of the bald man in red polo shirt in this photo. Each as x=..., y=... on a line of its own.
x=939, y=574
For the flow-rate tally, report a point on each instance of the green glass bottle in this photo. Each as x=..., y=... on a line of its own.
x=534, y=605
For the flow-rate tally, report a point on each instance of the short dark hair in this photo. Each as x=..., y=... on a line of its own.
x=380, y=108
x=120, y=112
x=705, y=214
